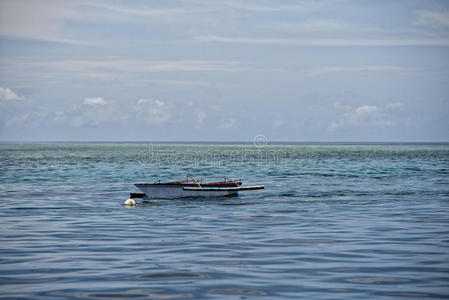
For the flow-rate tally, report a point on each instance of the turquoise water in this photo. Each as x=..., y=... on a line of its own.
x=334, y=222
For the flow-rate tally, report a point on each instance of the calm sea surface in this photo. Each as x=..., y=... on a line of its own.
x=334, y=222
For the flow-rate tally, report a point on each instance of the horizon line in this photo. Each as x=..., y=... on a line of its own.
x=216, y=142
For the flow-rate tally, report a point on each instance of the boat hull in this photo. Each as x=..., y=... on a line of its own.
x=155, y=191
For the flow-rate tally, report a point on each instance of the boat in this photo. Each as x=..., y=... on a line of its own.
x=192, y=187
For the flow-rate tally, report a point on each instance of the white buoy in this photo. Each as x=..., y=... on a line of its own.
x=130, y=202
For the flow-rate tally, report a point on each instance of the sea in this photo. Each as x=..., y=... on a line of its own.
x=335, y=221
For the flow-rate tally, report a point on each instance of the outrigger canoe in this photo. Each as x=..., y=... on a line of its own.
x=192, y=187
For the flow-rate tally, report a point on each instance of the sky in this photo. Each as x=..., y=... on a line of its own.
x=191, y=70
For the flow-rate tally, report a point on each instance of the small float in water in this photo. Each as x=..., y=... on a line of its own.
x=191, y=187
x=130, y=202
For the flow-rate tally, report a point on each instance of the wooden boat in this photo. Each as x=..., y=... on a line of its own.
x=191, y=187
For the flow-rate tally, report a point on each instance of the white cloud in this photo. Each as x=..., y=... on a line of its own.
x=313, y=26
x=352, y=117
x=327, y=42
x=273, y=6
x=94, y=101
x=27, y=119
x=129, y=72
x=338, y=69
x=228, y=123
x=154, y=111
x=201, y=115
x=145, y=82
x=6, y=94
x=365, y=109
x=92, y=115
x=95, y=112
x=60, y=116
x=433, y=18
x=115, y=65
x=193, y=108
x=37, y=20
x=323, y=28
x=127, y=13
x=395, y=105
x=365, y=115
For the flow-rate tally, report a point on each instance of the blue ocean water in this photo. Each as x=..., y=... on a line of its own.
x=333, y=222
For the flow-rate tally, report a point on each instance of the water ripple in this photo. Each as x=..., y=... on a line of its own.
x=339, y=222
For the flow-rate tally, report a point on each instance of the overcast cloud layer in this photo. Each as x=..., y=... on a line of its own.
x=224, y=70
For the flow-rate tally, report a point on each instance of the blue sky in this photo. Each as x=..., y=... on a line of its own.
x=224, y=70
